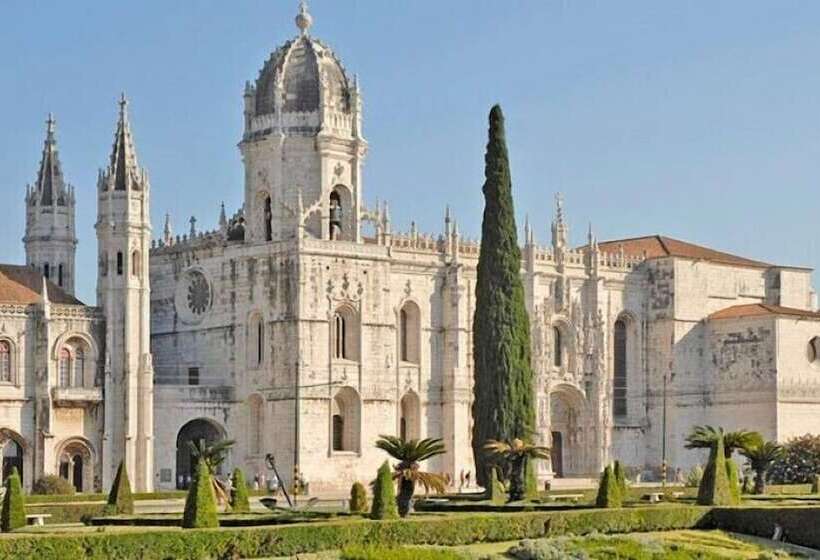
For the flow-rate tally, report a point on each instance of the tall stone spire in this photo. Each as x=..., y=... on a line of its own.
x=123, y=171
x=560, y=230
x=50, y=239
x=50, y=187
x=167, y=231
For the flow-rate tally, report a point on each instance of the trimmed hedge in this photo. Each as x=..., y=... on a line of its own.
x=312, y=537
x=800, y=524
x=98, y=497
x=67, y=513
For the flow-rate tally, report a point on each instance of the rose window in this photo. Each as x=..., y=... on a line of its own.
x=199, y=294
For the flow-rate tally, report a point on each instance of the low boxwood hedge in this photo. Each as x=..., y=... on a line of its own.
x=67, y=513
x=288, y=540
x=97, y=497
x=800, y=525
x=489, y=507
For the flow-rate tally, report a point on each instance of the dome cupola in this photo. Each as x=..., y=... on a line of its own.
x=302, y=85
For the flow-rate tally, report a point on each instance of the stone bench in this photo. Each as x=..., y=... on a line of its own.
x=37, y=518
x=565, y=497
x=653, y=497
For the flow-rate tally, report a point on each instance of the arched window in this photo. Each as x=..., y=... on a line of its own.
x=557, y=347
x=79, y=367
x=345, y=423
x=65, y=368
x=46, y=270
x=256, y=416
x=135, y=264
x=619, y=339
x=338, y=432
x=5, y=361
x=336, y=215
x=409, y=417
x=339, y=336
x=345, y=335
x=409, y=333
x=119, y=263
x=256, y=340
x=268, y=220
x=60, y=275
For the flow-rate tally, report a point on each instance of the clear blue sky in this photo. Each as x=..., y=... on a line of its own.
x=699, y=120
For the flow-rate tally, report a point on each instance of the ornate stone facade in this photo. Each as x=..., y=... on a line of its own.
x=305, y=327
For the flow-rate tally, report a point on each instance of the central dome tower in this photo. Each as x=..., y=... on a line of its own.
x=302, y=145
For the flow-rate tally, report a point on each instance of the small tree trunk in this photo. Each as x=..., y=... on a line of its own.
x=406, y=490
x=760, y=481
x=517, y=479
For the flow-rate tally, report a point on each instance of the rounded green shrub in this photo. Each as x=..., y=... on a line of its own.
x=200, y=504
x=13, y=513
x=239, y=494
x=52, y=485
x=358, y=498
x=384, y=495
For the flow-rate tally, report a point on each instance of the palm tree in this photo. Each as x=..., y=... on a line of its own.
x=516, y=454
x=761, y=455
x=705, y=437
x=408, y=471
x=214, y=455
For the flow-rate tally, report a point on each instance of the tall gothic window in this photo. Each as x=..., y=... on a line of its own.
x=256, y=340
x=65, y=367
x=409, y=333
x=79, y=367
x=135, y=264
x=557, y=347
x=340, y=338
x=46, y=270
x=619, y=402
x=119, y=263
x=60, y=275
x=268, y=220
x=5, y=361
x=335, y=215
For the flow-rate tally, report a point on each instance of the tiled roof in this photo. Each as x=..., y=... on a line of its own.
x=761, y=310
x=24, y=285
x=653, y=246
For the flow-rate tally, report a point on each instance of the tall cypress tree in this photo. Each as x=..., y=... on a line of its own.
x=503, y=403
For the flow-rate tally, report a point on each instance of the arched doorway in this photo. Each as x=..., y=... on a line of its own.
x=194, y=431
x=568, y=432
x=12, y=453
x=75, y=464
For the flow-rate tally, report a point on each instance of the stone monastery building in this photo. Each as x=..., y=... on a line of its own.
x=292, y=332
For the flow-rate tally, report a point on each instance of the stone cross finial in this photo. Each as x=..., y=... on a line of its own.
x=50, y=125
x=193, y=225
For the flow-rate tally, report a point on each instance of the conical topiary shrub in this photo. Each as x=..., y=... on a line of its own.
x=120, y=500
x=200, y=504
x=609, y=495
x=620, y=478
x=239, y=493
x=384, y=495
x=714, y=487
x=734, y=482
x=495, y=491
x=13, y=514
x=358, y=498
x=815, y=484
